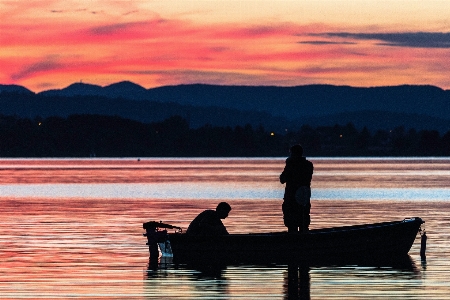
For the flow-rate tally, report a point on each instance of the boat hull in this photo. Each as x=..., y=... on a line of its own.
x=386, y=240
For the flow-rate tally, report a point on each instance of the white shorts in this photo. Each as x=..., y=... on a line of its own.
x=303, y=195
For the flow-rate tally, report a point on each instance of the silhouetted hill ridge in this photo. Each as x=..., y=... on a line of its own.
x=312, y=100
x=287, y=102
x=12, y=88
x=411, y=106
x=76, y=89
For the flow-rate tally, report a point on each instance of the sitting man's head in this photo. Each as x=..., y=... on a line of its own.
x=296, y=150
x=223, y=209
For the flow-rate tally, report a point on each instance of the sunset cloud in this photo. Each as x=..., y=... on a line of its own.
x=52, y=42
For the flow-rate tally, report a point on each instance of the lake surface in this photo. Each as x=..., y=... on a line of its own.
x=73, y=228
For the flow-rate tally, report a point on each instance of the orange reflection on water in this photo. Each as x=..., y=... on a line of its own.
x=92, y=247
x=136, y=171
x=328, y=173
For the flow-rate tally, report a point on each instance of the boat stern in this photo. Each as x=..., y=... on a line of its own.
x=158, y=238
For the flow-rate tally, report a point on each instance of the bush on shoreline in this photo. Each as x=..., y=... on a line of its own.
x=107, y=136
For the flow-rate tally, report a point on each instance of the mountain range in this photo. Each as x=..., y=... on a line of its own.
x=276, y=108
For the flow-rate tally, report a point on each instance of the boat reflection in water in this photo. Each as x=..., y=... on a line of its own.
x=293, y=279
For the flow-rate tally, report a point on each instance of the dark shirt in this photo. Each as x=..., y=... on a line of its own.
x=297, y=172
x=207, y=222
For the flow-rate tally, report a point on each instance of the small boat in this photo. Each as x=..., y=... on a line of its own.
x=386, y=240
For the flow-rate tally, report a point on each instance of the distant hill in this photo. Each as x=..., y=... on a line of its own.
x=30, y=106
x=288, y=102
x=123, y=89
x=312, y=100
x=12, y=88
x=411, y=106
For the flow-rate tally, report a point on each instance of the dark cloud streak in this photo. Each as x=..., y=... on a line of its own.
x=110, y=29
x=130, y=12
x=326, y=43
x=38, y=67
x=59, y=11
x=400, y=39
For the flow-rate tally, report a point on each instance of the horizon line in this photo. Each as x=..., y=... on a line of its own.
x=223, y=85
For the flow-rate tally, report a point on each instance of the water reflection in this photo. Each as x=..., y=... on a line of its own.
x=299, y=279
x=297, y=282
x=73, y=228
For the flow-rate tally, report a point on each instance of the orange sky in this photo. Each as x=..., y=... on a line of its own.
x=49, y=44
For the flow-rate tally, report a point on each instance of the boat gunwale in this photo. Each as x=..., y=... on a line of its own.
x=347, y=228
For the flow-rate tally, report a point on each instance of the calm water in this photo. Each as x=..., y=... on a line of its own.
x=73, y=228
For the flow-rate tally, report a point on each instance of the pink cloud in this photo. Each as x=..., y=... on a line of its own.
x=159, y=51
x=36, y=68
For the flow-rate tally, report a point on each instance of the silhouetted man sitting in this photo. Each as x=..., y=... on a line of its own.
x=209, y=221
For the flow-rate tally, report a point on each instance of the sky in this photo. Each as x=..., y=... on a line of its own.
x=50, y=44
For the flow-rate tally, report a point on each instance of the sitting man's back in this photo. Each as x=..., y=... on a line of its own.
x=209, y=221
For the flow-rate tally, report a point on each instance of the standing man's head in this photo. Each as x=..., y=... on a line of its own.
x=296, y=150
x=223, y=209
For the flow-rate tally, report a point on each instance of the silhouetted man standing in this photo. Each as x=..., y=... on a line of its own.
x=297, y=175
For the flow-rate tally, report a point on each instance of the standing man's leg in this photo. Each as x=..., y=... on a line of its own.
x=291, y=215
x=306, y=218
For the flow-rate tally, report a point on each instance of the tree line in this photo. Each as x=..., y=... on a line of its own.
x=112, y=136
